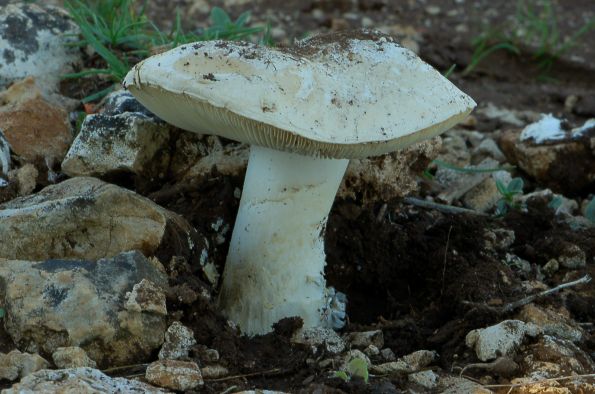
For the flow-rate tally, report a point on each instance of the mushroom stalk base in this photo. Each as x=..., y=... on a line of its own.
x=275, y=264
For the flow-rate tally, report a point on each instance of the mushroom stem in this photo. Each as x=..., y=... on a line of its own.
x=276, y=259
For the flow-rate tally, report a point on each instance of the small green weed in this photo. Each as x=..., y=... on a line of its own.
x=535, y=25
x=509, y=194
x=356, y=368
x=121, y=34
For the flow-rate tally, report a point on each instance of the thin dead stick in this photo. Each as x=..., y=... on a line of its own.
x=273, y=371
x=124, y=367
x=440, y=207
x=491, y=386
x=444, y=264
x=527, y=300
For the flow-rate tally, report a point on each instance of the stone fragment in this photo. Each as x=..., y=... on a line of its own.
x=36, y=129
x=427, y=379
x=458, y=385
x=489, y=148
x=174, y=374
x=345, y=358
x=553, y=357
x=572, y=257
x=392, y=368
x=5, y=160
x=420, y=359
x=130, y=141
x=554, y=323
x=178, y=341
x=34, y=41
x=146, y=297
x=60, y=303
x=319, y=336
x=485, y=195
x=363, y=339
x=122, y=101
x=72, y=357
x=562, y=160
x=85, y=218
x=502, y=339
x=15, y=364
x=78, y=380
x=388, y=354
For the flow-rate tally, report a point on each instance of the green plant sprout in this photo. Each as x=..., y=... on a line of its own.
x=121, y=34
x=355, y=368
x=536, y=24
x=509, y=193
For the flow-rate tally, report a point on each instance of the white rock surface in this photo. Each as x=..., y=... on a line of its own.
x=501, y=339
x=79, y=381
x=59, y=303
x=146, y=296
x=363, y=339
x=319, y=336
x=179, y=339
x=15, y=364
x=33, y=42
x=72, y=357
x=174, y=374
x=427, y=379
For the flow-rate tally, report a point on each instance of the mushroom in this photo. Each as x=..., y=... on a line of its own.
x=305, y=110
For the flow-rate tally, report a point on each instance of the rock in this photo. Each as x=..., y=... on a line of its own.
x=78, y=380
x=59, y=303
x=25, y=178
x=122, y=101
x=504, y=115
x=560, y=159
x=85, y=218
x=362, y=340
x=319, y=336
x=371, y=351
x=146, y=297
x=499, y=239
x=554, y=357
x=178, y=341
x=457, y=183
x=214, y=371
x=488, y=148
x=174, y=374
x=485, y=195
x=130, y=141
x=196, y=156
x=572, y=257
x=387, y=354
x=426, y=379
x=550, y=268
x=554, y=323
x=457, y=385
x=34, y=41
x=454, y=150
x=72, y=357
x=15, y=364
x=420, y=359
x=36, y=129
x=388, y=176
x=501, y=339
x=392, y=368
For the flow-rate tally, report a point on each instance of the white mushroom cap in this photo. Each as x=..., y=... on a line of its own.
x=337, y=95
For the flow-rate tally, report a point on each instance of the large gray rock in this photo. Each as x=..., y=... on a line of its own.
x=33, y=42
x=130, y=142
x=78, y=380
x=85, y=218
x=59, y=303
x=502, y=339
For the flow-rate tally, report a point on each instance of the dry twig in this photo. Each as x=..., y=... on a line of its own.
x=527, y=300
